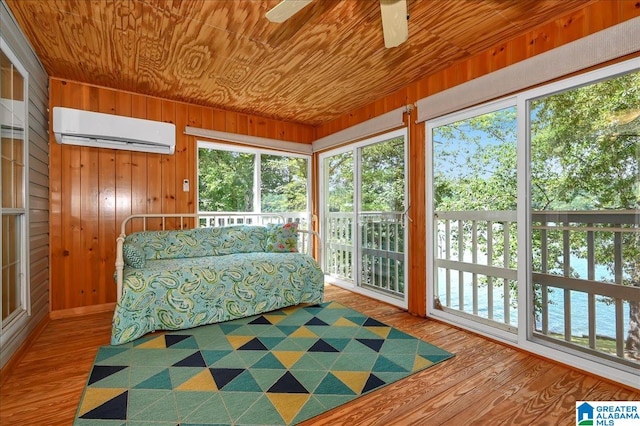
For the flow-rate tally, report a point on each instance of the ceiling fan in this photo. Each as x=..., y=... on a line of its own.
x=394, y=18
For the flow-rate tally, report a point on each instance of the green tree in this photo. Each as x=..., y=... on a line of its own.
x=283, y=183
x=227, y=178
x=225, y=181
x=383, y=172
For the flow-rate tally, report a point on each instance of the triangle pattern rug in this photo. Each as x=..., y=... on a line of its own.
x=278, y=368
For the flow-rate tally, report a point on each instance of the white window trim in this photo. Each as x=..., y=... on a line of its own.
x=9, y=329
x=523, y=339
x=257, y=208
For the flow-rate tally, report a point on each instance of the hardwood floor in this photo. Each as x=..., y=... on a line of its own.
x=484, y=384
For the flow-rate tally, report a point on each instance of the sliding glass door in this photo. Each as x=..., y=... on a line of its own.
x=585, y=218
x=535, y=207
x=474, y=195
x=363, y=221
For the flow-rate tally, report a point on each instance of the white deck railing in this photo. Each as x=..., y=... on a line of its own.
x=618, y=284
x=381, y=235
x=475, y=256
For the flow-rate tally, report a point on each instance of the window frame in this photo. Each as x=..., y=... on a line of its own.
x=488, y=329
x=257, y=196
x=15, y=322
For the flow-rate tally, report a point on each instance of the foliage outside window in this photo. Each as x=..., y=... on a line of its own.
x=256, y=181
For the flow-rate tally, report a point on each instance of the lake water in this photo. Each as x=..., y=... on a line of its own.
x=605, y=313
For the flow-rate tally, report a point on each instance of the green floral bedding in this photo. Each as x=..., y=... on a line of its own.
x=169, y=292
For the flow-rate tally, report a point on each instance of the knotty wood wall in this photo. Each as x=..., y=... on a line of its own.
x=588, y=20
x=93, y=189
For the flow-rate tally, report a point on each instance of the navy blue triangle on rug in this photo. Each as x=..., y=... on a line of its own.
x=278, y=368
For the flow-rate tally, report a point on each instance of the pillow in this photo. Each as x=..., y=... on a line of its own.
x=282, y=238
x=134, y=255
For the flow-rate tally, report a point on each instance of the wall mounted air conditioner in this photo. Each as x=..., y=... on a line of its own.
x=86, y=128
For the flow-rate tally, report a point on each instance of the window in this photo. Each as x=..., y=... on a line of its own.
x=13, y=170
x=242, y=180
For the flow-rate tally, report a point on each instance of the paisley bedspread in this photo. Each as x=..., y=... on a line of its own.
x=172, y=294
x=179, y=279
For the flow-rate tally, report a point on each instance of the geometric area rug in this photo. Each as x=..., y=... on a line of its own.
x=278, y=368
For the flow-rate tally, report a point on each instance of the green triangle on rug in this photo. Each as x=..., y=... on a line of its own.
x=278, y=368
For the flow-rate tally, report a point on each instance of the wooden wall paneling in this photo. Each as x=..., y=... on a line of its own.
x=139, y=188
x=569, y=28
x=102, y=284
x=124, y=184
x=418, y=241
x=74, y=265
x=282, y=130
x=197, y=117
x=243, y=124
x=254, y=125
x=168, y=169
x=270, y=129
x=499, y=57
x=202, y=116
x=183, y=161
x=230, y=121
x=155, y=182
x=627, y=9
x=463, y=71
x=600, y=15
x=89, y=222
x=219, y=120
x=56, y=296
x=517, y=48
x=540, y=40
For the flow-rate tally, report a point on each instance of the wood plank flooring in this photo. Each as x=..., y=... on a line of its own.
x=484, y=384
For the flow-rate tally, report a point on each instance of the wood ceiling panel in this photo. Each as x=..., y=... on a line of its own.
x=325, y=61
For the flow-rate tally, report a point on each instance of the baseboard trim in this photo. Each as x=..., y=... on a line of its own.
x=10, y=365
x=81, y=311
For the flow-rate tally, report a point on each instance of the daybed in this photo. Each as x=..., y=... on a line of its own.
x=178, y=279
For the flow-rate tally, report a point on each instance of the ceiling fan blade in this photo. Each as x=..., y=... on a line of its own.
x=395, y=27
x=286, y=9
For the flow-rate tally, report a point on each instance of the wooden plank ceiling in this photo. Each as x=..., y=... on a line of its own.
x=326, y=61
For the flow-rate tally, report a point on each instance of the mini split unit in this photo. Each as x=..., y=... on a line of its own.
x=93, y=129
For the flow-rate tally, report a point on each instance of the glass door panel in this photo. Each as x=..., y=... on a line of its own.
x=382, y=203
x=364, y=196
x=585, y=209
x=339, y=214
x=475, y=221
